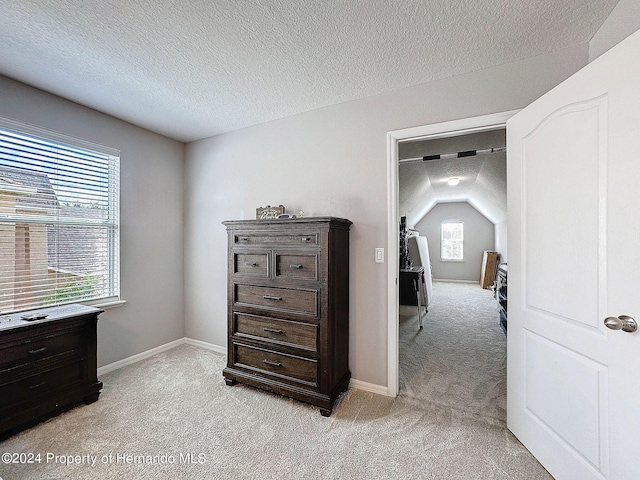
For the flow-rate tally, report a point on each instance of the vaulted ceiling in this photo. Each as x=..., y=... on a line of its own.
x=482, y=177
x=195, y=68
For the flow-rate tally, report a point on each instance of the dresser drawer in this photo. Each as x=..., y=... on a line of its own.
x=31, y=349
x=41, y=383
x=276, y=238
x=277, y=331
x=282, y=299
x=277, y=364
x=297, y=266
x=253, y=264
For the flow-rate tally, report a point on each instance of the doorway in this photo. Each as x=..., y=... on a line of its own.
x=394, y=138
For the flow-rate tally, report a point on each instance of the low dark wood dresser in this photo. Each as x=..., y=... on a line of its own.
x=46, y=365
x=288, y=313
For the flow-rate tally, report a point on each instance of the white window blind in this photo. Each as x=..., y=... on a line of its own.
x=59, y=219
x=452, y=241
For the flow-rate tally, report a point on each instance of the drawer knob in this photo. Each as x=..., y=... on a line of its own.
x=271, y=297
x=306, y=239
x=271, y=364
x=37, y=350
x=271, y=330
x=251, y=264
x=295, y=266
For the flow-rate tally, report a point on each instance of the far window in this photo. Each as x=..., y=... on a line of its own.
x=452, y=241
x=59, y=219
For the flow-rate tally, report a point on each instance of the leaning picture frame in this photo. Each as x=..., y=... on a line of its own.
x=264, y=213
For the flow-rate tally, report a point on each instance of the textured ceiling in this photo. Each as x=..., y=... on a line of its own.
x=483, y=178
x=195, y=68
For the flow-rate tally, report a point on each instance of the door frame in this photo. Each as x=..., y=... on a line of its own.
x=425, y=132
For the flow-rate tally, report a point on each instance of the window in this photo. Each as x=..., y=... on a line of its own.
x=452, y=241
x=59, y=219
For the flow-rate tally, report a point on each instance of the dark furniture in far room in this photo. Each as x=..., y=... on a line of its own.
x=288, y=312
x=412, y=289
x=46, y=365
x=488, y=271
x=500, y=294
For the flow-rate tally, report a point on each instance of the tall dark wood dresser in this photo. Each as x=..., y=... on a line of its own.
x=288, y=307
x=46, y=365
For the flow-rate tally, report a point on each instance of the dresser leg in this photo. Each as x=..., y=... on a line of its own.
x=230, y=382
x=325, y=412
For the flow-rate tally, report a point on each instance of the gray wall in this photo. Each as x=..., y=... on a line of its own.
x=478, y=237
x=501, y=241
x=622, y=22
x=333, y=161
x=152, y=173
x=330, y=161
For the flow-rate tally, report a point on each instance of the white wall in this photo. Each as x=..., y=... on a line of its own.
x=622, y=22
x=152, y=173
x=333, y=161
x=478, y=237
x=501, y=240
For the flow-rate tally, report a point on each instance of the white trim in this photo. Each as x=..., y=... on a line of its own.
x=140, y=356
x=447, y=280
x=357, y=384
x=393, y=239
x=105, y=304
x=368, y=387
x=437, y=130
x=154, y=351
x=208, y=346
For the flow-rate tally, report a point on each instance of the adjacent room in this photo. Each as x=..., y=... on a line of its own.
x=453, y=201
x=202, y=206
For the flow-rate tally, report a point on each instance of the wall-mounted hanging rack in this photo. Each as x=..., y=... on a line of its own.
x=467, y=153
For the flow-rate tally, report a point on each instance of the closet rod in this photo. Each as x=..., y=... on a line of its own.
x=467, y=153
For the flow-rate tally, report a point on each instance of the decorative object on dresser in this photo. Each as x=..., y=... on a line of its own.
x=288, y=313
x=47, y=364
x=267, y=212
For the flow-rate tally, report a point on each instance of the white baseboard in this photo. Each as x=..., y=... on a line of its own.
x=360, y=385
x=154, y=351
x=445, y=280
x=208, y=346
x=353, y=383
x=369, y=387
x=140, y=356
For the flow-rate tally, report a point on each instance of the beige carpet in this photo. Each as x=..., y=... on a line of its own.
x=172, y=417
x=459, y=360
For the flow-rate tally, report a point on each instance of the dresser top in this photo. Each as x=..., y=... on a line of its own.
x=15, y=320
x=289, y=221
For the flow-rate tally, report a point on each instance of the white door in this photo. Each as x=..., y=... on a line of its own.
x=573, y=172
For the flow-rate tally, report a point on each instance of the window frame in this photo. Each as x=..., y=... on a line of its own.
x=442, y=240
x=113, y=249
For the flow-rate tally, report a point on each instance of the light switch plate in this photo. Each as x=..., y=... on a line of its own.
x=379, y=255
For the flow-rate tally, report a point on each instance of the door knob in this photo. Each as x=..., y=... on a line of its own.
x=623, y=322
